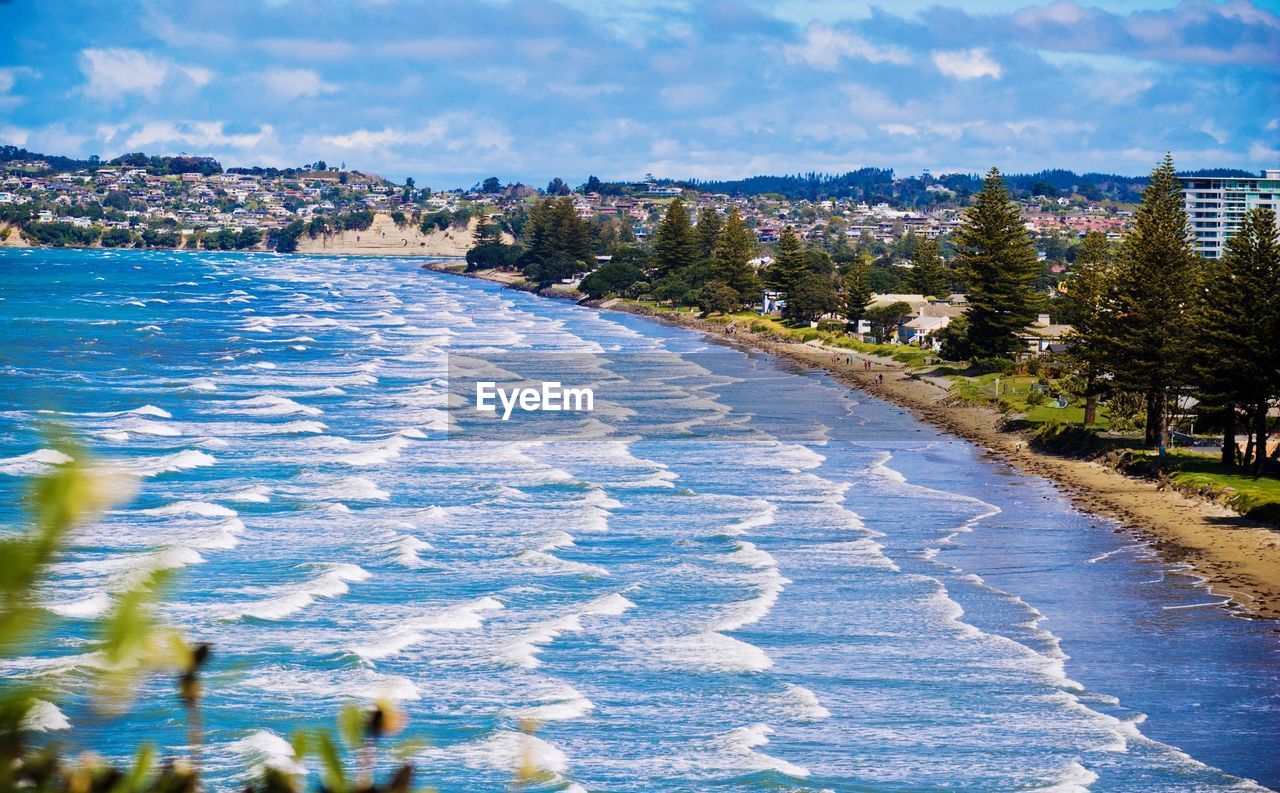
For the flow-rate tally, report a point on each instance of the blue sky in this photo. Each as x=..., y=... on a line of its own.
x=451, y=91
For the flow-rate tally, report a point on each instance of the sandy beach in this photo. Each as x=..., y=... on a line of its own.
x=1238, y=559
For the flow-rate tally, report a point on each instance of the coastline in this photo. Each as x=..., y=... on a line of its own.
x=1236, y=558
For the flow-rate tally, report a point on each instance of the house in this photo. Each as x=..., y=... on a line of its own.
x=1044, y=336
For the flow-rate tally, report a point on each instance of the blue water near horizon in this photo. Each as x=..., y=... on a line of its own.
x=762, y=603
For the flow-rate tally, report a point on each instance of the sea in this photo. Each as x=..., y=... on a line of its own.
x=735, y=574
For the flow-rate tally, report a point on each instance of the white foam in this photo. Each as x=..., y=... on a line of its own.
x=559, y=703
x=293, y=598
x=264, y=749
x=202, y=508
x=712, y=651
x=94, y=605
x=464, y=616
x=1072, y=778
x=255, y=494
x=378, y=454
x=177, y=461
x=549, y=564
x=742, y=743
x=32, y=463
x=802, y=704
x=45, y=716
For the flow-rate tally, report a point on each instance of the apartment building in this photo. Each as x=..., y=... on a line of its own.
x=1216, y=206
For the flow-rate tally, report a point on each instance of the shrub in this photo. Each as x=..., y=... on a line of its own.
x=993, y=365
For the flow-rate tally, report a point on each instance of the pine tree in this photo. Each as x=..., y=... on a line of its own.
x=928, y=274
x=708, y=230
x=998, y=259
x=1239, y=356
x=789, y=264
x=1154, y=298
x=731, y=256
x=1087, y=287
x=857, y=291
x=676, y=246
x=486, y=233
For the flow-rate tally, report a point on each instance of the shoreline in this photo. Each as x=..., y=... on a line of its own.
x=1235, y=558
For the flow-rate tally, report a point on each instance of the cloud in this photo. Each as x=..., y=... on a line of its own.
x=295, y=83
x=192, y=136
x=115, y=72
x=967, y=64
x=825, y=48
x=307, y=49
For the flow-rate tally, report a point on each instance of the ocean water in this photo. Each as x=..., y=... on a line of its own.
x=767, y=582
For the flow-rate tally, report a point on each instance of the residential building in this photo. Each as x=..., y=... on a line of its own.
x=1216, y=206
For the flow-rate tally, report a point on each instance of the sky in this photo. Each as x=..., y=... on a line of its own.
x=452, y=91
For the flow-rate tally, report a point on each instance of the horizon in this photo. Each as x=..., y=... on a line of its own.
x=528, y=91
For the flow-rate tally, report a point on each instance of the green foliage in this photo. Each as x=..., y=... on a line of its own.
x=557, y=243
x=856, y=292
x=928, y=275
x=612, y=278
x=61, y=234
x=492, y=255
x=117, y=238
x=717, y=297
x=789, y=264
x=399, y=218
x=886, y=319
x=998, y=259
x=708, y=230
x=812, y=297
x=676, y=245
x=1154, y=295
x=731, y=256
x=285, y=240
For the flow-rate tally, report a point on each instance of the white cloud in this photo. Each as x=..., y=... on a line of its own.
x=295, y=83
x=195, y=136
x=116, y=71
x=454, y=132
x=14, y=136
x=825, y=47
x=900, y=129
x=967, y=64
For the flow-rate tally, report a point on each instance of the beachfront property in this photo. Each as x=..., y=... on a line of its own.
x=1216, y=206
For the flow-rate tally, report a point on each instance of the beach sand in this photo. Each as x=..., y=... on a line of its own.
x=384, y=238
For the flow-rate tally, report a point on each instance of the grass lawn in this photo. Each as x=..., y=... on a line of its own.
x=1256, y=497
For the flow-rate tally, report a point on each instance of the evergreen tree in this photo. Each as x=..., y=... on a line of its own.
x=1087, y=286
x=810, y=298
x=1239, y=363
x=789, y=263
x=1154, y=298
x=486, y=232
x=998, y=259
x=731, y=257
x=557, y=243
x=857, y=291
x=708, y=230
x=928, y=274
x=676, y=246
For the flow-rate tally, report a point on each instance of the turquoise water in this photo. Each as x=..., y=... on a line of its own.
x=766, y=583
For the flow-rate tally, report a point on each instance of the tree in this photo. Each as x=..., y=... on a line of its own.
x=557, y=187
x=593, y=185
x=708, y=230
x=1088, y=286
x=998, y=259
x=611, y=278
x=491, y=185
x=556, y=240
x=886, y=319
x=1154, y=296
x=810, y=298
x=676, y=246
x=928, y=275
x=285, y=240
x=789, y=264
x=856, y=292
x=486, y=232
x=731, y=256
x=1239, y=356
x=717, y=297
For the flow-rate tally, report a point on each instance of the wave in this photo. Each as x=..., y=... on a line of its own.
x=255, y=494
x=524, y=651
x=202, y=508
x=292, y=598
x=264, y=749
x=32, y=463
x=765, y=515
x=559, y=703
x=154, y=466
x=802, y=704
x=352, y=488
x=273, y=405
x=713, y=652
x=88, y=607
x=1072, y=778
x=404, y=549
x=742, y=743
x=549, y=564
x=465, y=616
x=43, y=716
x=378, y=454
